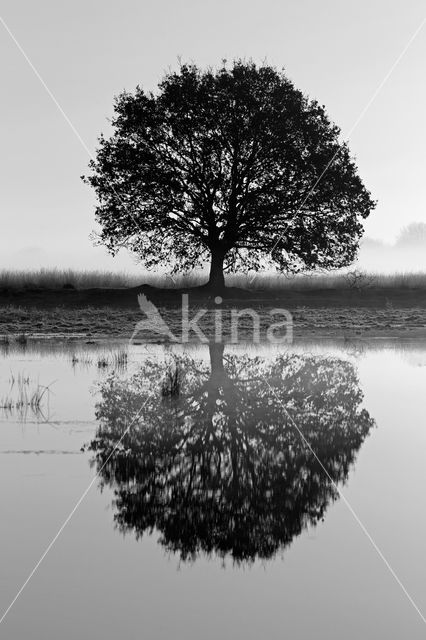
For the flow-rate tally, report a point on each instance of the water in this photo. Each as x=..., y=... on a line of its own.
x=211, y=517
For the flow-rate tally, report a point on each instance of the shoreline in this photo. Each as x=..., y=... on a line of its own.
x=126, y=298
x=334, y=334
x=114, y=313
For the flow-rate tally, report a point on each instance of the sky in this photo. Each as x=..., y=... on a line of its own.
x=336, y=51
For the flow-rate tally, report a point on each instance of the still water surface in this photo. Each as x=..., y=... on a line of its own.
x=210, y=517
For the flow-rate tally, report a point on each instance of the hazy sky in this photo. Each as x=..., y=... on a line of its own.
x=337, y=51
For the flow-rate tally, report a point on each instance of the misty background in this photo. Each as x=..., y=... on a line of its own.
x=336, y=52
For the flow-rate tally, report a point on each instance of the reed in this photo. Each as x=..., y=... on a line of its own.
x=116, y=360
x=25, y=396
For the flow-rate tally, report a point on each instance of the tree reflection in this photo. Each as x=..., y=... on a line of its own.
x=214, y=463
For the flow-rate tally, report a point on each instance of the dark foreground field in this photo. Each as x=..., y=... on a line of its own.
x=101, y=312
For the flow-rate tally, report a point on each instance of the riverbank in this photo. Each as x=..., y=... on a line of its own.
x=127, y=298
x=115, y=314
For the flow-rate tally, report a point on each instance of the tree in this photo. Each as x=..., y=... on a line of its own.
x=412, y=236
x=220, y=164
x=213, y=462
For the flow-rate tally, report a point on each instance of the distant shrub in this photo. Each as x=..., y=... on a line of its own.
x=413, y=235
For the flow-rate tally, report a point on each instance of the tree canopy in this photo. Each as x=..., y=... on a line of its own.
x=232, y=164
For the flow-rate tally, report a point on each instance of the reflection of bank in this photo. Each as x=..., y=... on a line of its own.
x=214, y=463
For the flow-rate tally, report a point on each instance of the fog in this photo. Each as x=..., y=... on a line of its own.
x=406, y=254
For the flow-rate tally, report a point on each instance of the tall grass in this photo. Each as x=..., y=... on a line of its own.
x=352, y=279
x=116, y=360
x=60, y=278
x=24, y=397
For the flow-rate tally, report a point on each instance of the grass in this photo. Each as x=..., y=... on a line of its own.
x=65, y=278
x=7, y=339
x=16, y=320
x=73, y=279
x=82, y=359
x=343, y=280
x=93, y=324
x=24, y=396
x=116, y=360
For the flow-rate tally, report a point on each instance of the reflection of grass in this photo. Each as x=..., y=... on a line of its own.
x=105, y=360
x=82, y=359
x=116, y=360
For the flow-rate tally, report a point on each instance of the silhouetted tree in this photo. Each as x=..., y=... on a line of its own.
x=219, y=164
x=214, y=463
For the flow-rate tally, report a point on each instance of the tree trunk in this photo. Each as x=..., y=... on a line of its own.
x=216, y=277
